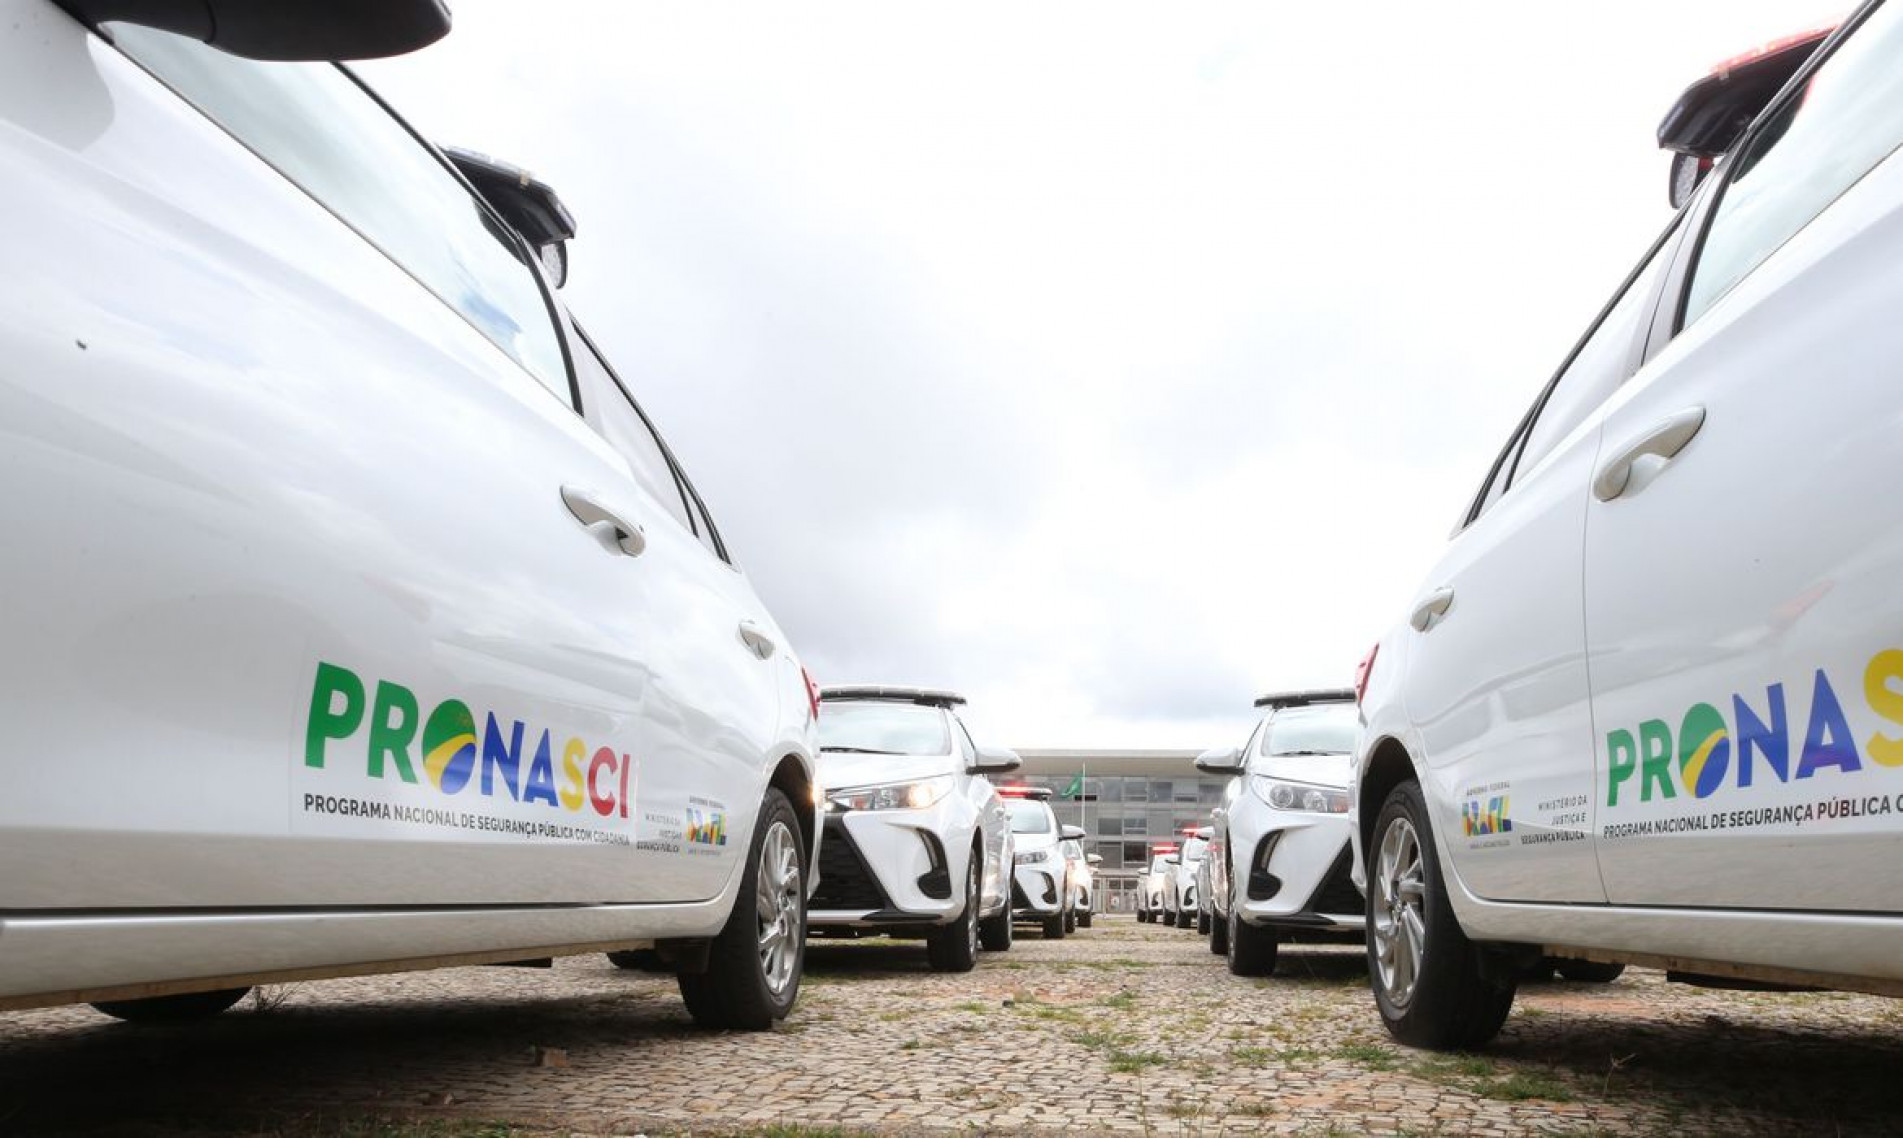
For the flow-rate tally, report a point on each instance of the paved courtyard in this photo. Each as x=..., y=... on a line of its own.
x=1122, y=1028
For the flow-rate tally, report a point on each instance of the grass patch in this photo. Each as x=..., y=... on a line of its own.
x=1122, y=1001
x=974, y=1006
x=1252, y=1054
x=1523, y=1085
x=1131, y=1062
x=1370, y=1055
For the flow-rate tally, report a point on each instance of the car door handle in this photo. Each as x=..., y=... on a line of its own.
x=590, y=511
x=1666, y=438
x=755, y=637
x=1433, y=607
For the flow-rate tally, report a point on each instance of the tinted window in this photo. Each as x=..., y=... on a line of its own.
x=627, y=430
x=1599, y=365
x=1029, y=816
x=1324, y=729
x=883, y=728
x=321, y=130
x=1193, y=849
x=1847, y=118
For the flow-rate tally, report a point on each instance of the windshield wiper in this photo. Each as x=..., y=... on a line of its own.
x=860, y=751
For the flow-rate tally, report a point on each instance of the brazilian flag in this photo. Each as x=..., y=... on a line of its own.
x=1076, y=787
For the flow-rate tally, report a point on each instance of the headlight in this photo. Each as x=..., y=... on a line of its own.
x=1034, y=857
x=1299, y=795
x=891, y=796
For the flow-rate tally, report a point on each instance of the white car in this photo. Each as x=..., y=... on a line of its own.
x=1080, y=876
x=386, y=630
x=1280, y=860
x=1154, y=882
x=1039, y=889
x=917, y=841
x=1648, y=708
x=1179, y=887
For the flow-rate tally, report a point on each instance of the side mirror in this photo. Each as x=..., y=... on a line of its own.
x=1220, y=760
x=1073, y=833
x=531, y=207
x=310, y=30
x=1172, y=859
x=996, y=760
x=1094, y=859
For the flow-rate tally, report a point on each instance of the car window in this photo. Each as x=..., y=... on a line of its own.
x=1193, y=848
x=703, y=524
x=1605, y=359
x=1826, y=136
x=883, y=728
x=334, y=140
x=627, y=430
x=1321, y=729
x=1029, y=816
x=1496, y=483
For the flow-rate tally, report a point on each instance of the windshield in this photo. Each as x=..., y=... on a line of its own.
x=1321, y=729
x=883, y=729
x=1193, y=848
x=1159, y=865
x=1029, y=816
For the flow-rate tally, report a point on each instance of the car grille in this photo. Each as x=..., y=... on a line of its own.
x=844, y=880
x=1337, y=893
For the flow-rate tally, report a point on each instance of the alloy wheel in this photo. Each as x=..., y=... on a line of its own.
x=1400, y=927
x=777, y=905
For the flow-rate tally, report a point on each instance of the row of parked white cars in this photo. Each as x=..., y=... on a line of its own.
x=1647, y=709
x=358, y=619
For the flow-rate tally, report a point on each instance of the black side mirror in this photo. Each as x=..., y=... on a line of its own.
x=1220, y=760
x=310, y=30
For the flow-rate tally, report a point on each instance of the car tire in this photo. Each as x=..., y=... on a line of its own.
x=994, y=933
x=182, y=1008
x=1185, y=921
x=1588, y=971
x=1219, y=935
x=1250, y=950
x=755, y=961
x=1054, y=927
x=1083, y=918
x=1070, y=920
x=1202, y=922
x=1426, y=975
x=1143, y=916
x=954, y=947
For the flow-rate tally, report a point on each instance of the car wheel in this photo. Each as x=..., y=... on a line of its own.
x=1202, y=922
x=1143, y=916
x=1185, y=920
x=1425, y=973
x=1588, y=971
x=1070, y=920
x=1219, y=935
x=172, y=1009
x=1083, y=917
x=1054, y=927
x=954, y=948
x=994, y=933
x=754, y=963
x=1251, y=950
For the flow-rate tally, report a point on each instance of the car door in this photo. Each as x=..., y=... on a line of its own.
x=1742, y=548
x=309, y=609
x=712, y=697
x=1496, y=680
x=994, y=824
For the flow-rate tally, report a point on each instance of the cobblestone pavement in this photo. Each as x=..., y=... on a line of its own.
x=1121, y=1028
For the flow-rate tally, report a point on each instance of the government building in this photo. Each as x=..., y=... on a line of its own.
x=1127, y=801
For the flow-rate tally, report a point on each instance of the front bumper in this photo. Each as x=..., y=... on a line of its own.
x=1298, y=870
x=886, y=868
x=1036, y=891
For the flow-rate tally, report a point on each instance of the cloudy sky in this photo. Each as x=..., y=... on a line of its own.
x=1110, y=363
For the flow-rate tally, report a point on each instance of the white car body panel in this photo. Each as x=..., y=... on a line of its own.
x=244, y=444
x=1756, y=569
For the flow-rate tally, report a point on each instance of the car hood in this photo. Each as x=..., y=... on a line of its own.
x=1321, y=770
x=1034, y=841
x=838, y=769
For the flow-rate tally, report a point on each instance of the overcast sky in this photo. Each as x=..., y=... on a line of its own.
x=1108, y=363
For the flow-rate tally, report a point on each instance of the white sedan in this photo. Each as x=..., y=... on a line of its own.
x=1283, y=838
x=917, y=840
x=1648, y=707
x=386, y=630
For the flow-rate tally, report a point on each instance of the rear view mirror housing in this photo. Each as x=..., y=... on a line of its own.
x=1073, y=833
x=995, y=760
x=291, y=30
x=1172, y=859
x=1220, y=760
x=530, y=206
x=1094, y=859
